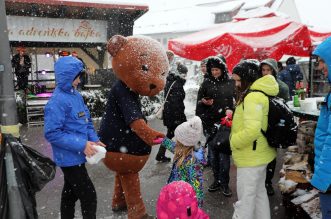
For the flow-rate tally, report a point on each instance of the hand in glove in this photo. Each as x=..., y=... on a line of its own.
x=147, y=134
x=199, y=154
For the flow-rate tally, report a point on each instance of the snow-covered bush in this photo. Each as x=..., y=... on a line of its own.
x=96, y=101
x=150, y=104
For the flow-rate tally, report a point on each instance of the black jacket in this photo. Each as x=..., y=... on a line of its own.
x=222, y=90
x=173, y=113
x=21, y=70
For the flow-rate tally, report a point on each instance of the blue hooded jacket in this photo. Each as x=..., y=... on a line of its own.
x=68, y=125
x=290, y=75
x=322, y=173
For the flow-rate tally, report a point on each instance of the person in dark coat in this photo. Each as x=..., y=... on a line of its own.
x=22, y=64
x=215, y=95
x=173, y=113
x=291, y=74
x=215, y=98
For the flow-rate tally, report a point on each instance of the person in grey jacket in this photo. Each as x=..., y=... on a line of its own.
x=269, y=67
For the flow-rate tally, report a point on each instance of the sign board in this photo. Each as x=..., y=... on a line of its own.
x=39, y=29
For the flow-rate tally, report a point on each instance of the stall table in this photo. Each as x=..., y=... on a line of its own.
x=306, y=115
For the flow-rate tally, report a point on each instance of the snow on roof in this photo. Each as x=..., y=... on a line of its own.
x=254, y=4
x=177, y=20
x=227, y=7
x=199, y=17
x=136, y=3
x=259, y=12
x=83, y=3
x=184, y=18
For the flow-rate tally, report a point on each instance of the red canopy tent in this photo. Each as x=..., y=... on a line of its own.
x=259, y=38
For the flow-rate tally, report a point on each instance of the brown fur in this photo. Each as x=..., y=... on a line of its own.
x=142, y=64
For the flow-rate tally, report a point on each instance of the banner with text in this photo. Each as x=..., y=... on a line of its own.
x=39, y=29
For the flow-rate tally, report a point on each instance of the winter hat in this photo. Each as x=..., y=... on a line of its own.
x=247, y=70
x=215, y=62
x=182, y=69
x=291, y=61
x=272, y=63
x=221, y=57
x=178, y=200
x=189, y=133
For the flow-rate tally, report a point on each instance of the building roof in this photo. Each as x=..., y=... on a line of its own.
x=184, y=18
x=177, y=20
x=227, y=6
x=75, y=9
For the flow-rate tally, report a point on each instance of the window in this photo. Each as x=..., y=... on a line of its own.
x=222, y=18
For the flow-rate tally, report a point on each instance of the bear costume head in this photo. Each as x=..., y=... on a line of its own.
x=140, y=62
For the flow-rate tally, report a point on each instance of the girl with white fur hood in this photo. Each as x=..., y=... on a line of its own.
x=189, y=155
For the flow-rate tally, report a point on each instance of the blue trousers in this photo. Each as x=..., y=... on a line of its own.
x=325, y=202
x=220, y=164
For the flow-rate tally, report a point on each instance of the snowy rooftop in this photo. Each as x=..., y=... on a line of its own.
x=183, y=17
x=170, y=19
x=177, y=20
x=227, y=6
x=259, y=12
x=254, y=4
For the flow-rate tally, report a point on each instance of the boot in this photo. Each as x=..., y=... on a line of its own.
x=214, y=187
x=147, y=216
x=161, y=155
x=119, y=208
x=270, y=189
x=226, y=191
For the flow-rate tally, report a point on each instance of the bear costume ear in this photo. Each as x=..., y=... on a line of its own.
x=115, y=44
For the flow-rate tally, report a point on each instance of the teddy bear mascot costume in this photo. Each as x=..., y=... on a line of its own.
x=141, y=65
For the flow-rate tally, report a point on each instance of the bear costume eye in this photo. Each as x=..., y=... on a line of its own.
x=144, y=67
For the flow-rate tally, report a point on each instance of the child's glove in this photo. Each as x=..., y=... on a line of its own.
x=158, y=140
x=227, y=121
x=199, y=154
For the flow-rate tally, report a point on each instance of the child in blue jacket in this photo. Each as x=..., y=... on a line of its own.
x=322, y=142
x=69, y=129
x=188, y=163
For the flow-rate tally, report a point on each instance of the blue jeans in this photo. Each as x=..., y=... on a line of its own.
x=220, y=164
x=325, y=202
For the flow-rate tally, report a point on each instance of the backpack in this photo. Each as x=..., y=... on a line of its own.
x=282, y=128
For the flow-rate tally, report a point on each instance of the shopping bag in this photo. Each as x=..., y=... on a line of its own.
x=38, y=168
x=32, y=171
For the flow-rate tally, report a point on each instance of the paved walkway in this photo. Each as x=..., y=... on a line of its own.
x=153, y=177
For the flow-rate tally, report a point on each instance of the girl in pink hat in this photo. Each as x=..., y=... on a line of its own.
x=178, y=200
x=189, y=156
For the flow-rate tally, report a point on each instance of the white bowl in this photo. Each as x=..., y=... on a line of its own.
x=308, y=105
